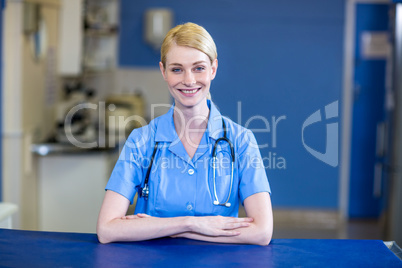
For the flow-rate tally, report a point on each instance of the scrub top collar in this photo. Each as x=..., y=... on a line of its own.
x=215, y=127
x=166, y=132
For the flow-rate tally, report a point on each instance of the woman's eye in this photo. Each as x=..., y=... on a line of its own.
x=200, y=68
x=176, y=70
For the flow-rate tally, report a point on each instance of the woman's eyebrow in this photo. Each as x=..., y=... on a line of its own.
x=198, y=62
x=179, y=64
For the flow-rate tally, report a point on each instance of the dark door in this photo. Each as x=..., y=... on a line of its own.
x=369, y=125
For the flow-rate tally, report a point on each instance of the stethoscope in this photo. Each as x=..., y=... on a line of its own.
x=144, y=191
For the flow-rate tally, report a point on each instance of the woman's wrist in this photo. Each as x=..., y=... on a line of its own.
x=188, y=224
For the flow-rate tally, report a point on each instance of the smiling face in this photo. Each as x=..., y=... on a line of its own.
x=188, y=73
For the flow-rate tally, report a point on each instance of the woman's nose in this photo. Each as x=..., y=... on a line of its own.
x=189, y=79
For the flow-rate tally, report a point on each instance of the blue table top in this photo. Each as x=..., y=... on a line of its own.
x=50, y=249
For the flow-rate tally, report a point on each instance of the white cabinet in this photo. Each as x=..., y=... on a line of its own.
x=71, y=190
x=88, y=36
x=100, y=35
x=70, y=37
x=6, y=212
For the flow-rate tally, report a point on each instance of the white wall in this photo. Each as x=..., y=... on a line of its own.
x=27, y=111
x=147, y=81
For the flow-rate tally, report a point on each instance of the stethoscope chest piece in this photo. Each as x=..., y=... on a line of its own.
x=227, y=204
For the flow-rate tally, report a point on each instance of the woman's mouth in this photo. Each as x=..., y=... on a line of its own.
x=189, y=91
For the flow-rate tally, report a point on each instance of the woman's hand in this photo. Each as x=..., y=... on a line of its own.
x=222, y=229
x=218, y=225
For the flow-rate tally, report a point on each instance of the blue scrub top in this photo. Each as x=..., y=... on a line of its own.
x=180, y=186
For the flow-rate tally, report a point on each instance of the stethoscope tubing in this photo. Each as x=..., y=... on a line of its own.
x=225, y=139
x=144, y=191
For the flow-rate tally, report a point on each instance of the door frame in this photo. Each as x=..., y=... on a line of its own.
x=347, y=101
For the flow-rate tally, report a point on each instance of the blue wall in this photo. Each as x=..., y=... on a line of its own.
x=279, y=58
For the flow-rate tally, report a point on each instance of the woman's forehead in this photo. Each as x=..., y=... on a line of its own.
x=184, y=54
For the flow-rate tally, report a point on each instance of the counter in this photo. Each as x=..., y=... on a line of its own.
x=71, y=184
x=53, y=249
x=43, y=149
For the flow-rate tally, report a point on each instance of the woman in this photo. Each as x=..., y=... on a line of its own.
x=187, y=195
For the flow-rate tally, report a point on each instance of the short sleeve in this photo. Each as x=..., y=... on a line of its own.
x=252, y=175
x=127, y=174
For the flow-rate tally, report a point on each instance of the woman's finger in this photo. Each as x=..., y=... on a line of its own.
x=246, y=219
x=143, y=215
x=129, y=217
x=236, y=225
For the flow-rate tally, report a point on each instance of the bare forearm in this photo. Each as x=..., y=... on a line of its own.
x=250, y=235
x=141, y=229
x=114, y=226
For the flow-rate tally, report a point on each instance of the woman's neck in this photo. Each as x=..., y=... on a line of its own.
x=190, y=125
x=191, y=118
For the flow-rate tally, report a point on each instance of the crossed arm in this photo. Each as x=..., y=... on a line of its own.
x=256, y=228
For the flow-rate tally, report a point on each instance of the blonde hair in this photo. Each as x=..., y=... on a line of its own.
x=190, y=35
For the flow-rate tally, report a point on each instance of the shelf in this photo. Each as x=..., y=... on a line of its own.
x=101, y=16
x=91, y=71
x=110, y=30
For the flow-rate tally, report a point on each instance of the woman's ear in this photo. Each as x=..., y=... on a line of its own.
x=214, y=68
x=162, y=70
